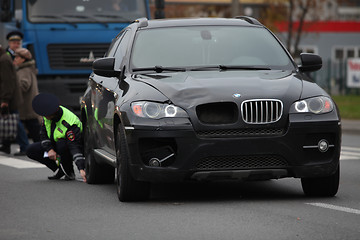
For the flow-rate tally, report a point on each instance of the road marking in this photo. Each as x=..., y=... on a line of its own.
x=20, y=164
x=344, y=158
x=350, y=153
x=337, y=208
x=350, y=148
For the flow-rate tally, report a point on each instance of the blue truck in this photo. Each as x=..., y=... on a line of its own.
x=66, y=36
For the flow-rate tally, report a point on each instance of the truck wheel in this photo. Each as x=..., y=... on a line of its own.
x=321, y=187
x=95, y=173
x=128, y=189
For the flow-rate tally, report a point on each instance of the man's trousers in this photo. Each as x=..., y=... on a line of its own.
x=36, y=152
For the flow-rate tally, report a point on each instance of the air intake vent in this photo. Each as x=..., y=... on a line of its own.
x=218, y=113
x=75, y=56
x=256, y=132
x=241, y=162
x=261, y=111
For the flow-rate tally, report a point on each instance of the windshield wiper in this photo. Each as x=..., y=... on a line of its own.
x=160, y=69
x=112, y=16
x=230, y=67
x=56, y=17
x=87, y=17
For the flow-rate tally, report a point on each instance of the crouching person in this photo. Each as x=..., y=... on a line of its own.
x=60, y=138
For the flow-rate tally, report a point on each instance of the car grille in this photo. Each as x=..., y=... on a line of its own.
x=250, y=132
x=241, y=162
x=261, y=111
x=74, y=56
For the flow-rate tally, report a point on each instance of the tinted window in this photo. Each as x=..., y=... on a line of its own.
x=121, y=49
x=114, y=44
x=208, y=45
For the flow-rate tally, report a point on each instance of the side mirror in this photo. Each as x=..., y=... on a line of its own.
x=105, y=67
x=310, y=62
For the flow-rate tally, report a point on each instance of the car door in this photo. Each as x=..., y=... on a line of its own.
x=109, y=91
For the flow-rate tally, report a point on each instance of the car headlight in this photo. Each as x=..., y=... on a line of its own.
x=315, y=105
x=156, y=110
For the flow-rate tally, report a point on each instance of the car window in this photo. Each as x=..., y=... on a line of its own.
x=208, y=45
x=121, y=50
x=114, y=44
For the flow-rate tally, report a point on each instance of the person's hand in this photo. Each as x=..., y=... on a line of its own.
x=4, y=105
x=4, y=108
x=83, y=174
x=52, y=155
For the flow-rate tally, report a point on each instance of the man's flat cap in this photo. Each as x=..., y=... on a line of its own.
x=14, y=36
x=45, y=104
x=24, y=53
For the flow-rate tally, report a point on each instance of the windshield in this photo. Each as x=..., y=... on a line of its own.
x=201, y=47
x=77, y=11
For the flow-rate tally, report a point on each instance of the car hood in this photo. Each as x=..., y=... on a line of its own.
x=189, y=89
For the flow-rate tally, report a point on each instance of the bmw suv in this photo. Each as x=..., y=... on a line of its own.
x=204, y=100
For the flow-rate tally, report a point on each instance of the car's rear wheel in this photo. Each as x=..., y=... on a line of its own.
x=95, y=173
x=322, y=186
x=128, y=189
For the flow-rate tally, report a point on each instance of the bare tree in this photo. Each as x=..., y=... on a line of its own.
x=300, y=14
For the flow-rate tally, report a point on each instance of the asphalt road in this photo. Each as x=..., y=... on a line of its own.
x=34, y=208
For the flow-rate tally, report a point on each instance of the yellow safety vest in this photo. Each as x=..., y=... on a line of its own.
x=60, y=129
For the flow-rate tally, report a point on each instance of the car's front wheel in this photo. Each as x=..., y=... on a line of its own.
x=322, y=186
x=95, y=173
x=128, y=189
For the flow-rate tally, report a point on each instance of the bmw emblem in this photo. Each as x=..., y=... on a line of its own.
x=236, y=95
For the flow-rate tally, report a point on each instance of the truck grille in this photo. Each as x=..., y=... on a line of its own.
x=261, y=111
x=75, y=56
x=241, y=162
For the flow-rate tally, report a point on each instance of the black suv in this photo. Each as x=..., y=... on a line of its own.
x=207, y=99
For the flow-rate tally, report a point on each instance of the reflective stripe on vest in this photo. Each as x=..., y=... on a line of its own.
x=68, y=118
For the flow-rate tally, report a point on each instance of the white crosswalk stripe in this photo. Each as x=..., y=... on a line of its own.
x=349, y=153
x=18, y=163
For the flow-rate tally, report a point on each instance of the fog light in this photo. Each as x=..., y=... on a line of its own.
x=154, y=162
x=323, y=145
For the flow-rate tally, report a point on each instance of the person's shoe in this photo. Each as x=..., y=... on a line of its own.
x=57, y=176
x=5, y=149
x=20, y=153
x=70, y=177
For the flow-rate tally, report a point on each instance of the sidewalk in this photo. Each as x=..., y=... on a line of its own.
x=350, y=126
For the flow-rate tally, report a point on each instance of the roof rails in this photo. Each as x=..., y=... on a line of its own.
x=249, y=20
x=143, y=22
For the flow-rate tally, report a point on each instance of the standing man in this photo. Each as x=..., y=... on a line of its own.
x=14, y=39
x=26, y=73
x=10, y=96
x=14, y=42
x=61, y=141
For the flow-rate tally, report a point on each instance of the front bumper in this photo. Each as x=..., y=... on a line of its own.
x=188, y=155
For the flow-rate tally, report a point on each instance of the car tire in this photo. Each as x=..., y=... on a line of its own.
x=321, y=187
x=95, y=173
x=128, y=189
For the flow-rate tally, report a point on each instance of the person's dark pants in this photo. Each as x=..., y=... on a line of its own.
x=33, y=127
x=36, y=152
x=21, y=137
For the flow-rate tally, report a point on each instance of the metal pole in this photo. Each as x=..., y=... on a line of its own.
x=235, y=8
